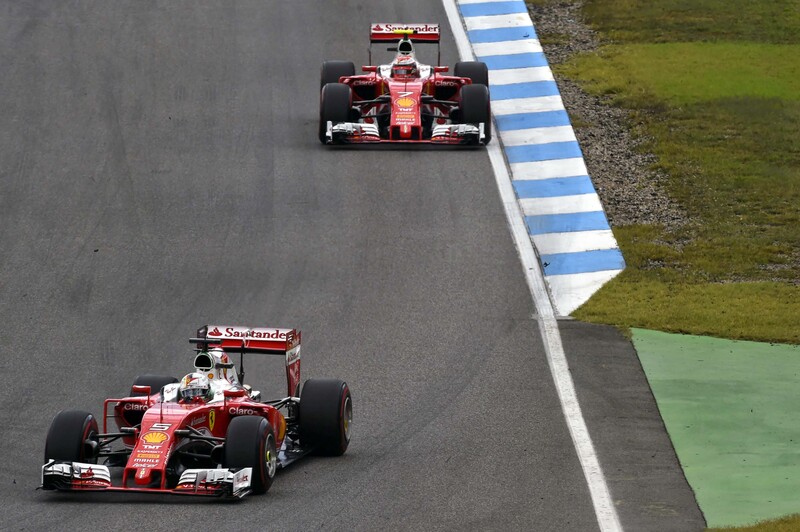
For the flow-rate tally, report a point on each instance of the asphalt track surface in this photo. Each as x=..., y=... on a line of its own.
x=161, y=171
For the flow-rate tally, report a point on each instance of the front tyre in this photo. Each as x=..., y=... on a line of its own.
x=250, y=443
x=476, y=71
x=72, y=438
x=326, y=416
x=331, y=71
x=475, y=108
x=335, y=104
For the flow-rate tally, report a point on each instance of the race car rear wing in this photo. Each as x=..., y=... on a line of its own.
x=263, y=340
x=390, y=32
x=252, y=340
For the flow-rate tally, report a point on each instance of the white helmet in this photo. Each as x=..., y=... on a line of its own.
x=195, y=385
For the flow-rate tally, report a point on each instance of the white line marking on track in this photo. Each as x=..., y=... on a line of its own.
x=606, y=513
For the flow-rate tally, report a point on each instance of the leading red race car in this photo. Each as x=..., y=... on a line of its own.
x=405, y=101
x=208, y=434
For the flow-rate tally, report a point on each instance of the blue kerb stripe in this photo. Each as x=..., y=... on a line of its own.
x=524, y=90
x=543, y=152
x=582, y=262
x=557, y=186
x=530, y=120
x=566, y=223
x=501, y=62
x=493, y=8
x=516, y=33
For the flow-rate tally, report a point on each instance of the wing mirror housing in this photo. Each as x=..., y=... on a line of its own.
x=369, y=68
x=137, y=388
x=441, y=69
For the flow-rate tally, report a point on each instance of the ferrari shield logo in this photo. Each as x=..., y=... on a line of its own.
x=212, y=416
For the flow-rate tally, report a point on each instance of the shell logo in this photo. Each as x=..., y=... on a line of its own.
x=405, y=103
x=155, y=437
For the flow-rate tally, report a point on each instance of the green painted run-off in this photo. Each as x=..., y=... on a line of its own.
x=732, y=409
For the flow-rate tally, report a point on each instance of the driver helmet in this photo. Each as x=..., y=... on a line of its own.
x=195, y=385
x=405, y=67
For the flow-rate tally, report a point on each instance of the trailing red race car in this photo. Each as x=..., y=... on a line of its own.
x=405, y=101
x=208, y=434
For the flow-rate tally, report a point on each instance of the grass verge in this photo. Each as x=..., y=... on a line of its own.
x=723, y=119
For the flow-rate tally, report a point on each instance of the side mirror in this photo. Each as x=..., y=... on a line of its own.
x=369, y=68
x=441, y=69
x=141, y=389
x=239, y=392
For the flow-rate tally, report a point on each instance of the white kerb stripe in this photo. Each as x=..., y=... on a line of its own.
x=508, y=76
x=574, y=242
x=525, y=46
x=561, y=204
x=537, y=135
x=574, y=289
x=479, y=1
x=536, y=104
x=491, y=22
x=547, y=169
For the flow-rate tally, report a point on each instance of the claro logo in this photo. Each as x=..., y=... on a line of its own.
x=134, y=406
x=236, y=411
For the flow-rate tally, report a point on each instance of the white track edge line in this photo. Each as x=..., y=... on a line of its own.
x=604, y=508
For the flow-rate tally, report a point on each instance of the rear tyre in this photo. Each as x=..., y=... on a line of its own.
x=155, y=382
x=476, y=71
x=333, y=70
x=335, y=104
x=250, y=443
x=72, y=437
x=326, y=416
x=475, y=108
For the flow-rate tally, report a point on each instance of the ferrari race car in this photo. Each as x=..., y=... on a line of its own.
x=405, y=101
x=209, y=434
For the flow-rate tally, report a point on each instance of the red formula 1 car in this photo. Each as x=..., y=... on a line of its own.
x=208, y=434
x=405, y=101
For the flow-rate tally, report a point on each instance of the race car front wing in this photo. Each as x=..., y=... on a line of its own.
x=77, y=476
x=357, y=132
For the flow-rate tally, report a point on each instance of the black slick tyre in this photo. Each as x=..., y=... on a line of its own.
x=333, y=70
x=250, y=443
x=155, y=382
x=475, y=108
x=326, y=416
x=72, y=437
x=476, y=71
x=336, y=101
